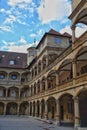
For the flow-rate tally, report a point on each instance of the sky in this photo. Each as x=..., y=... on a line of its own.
x=24, y=21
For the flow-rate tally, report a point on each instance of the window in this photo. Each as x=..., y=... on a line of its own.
x=2, y=76
x=57, y=40
x=31, y=53
x=14, y=76
x=11, y=62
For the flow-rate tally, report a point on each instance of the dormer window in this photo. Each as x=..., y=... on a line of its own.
x=11, y=62
x=57, y=40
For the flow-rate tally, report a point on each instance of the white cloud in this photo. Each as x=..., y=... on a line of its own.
x=22, y=40
x=5, y=11
x=8, y=43
x=6, y=28
x=53, y=10
x=22, y=48
x=16, y=2
x=33, y=35
x=10, y=19
x=79, y=30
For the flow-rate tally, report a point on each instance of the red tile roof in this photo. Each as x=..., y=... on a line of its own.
x=20, y=60
x=52, y=31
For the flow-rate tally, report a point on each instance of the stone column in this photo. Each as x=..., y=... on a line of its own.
x=18, y=109
x=76, y=112
x=5, y=105
x=40, y=109
x=32, y=109
x=45, y=110
x=46, y=84
x=57, y=79
x=36, y=109
x=19, y=93
x=57, y=112
x=41, y=65
x=36, y=88
x=29, y=108
x=41, y=86
x=74, y=71
x=6, y=92
x=73, y=33
x=46, y=61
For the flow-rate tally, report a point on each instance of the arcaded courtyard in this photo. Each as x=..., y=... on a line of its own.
x=27, y=123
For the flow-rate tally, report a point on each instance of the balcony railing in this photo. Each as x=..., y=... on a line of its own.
x=9, y=82
x=65, y=84
x=9, y=98
x=82, y=78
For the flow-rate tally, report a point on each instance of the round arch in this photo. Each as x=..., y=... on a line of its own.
x=66, y=104
x=82, y=98
x=81, y=17
x=84, y=48
x=24, y=107
x=13, y=91
x=11, y=108
x=51, y=108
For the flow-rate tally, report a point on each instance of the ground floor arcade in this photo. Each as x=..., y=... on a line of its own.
x=64, y=110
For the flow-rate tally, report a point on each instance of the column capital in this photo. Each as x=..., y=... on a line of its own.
x=73, y=27
x=76, y=99
x=74, y=61
x=57, y=101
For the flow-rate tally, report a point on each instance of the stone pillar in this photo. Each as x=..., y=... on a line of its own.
x=41, y=65
x=19, y=92
x=32, y=109
x=73, y=33
x=18, y=109
x=40, y=109
x=45, y=110
x=57, y=79
x=46, y=84
x=41, y=86
x=5, y=105
x=74, y=71
x=46, y=61
x=76, y=112
x=36, y=109
x=6, y=92
x=36, y=88
x=57, y=112
x=29, y=109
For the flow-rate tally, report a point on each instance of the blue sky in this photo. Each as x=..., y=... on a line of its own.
x=22, y=21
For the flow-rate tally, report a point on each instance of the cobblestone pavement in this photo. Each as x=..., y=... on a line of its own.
x=27, y=123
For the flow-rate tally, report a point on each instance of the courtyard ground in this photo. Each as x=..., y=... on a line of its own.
x=27, y=123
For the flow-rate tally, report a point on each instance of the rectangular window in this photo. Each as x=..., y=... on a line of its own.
x=57, y=40
x=11, y=62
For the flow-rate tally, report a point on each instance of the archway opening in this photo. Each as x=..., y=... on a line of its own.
x=67, y=110
x=83, y=108
x=24, y=108
x=51, y=105
x=11, y=109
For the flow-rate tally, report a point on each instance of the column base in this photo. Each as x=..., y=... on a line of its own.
x=57, y=123
x=76, y=126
